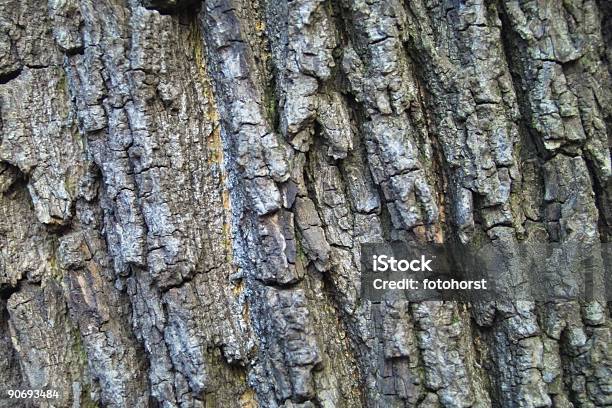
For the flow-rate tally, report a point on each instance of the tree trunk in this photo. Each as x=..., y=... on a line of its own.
x=185, y=186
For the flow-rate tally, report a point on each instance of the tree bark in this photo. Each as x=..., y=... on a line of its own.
x=185, y=186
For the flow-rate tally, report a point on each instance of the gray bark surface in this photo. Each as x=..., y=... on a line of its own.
x=185, y=185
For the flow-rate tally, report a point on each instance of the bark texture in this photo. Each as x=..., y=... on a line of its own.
x=185, y=185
